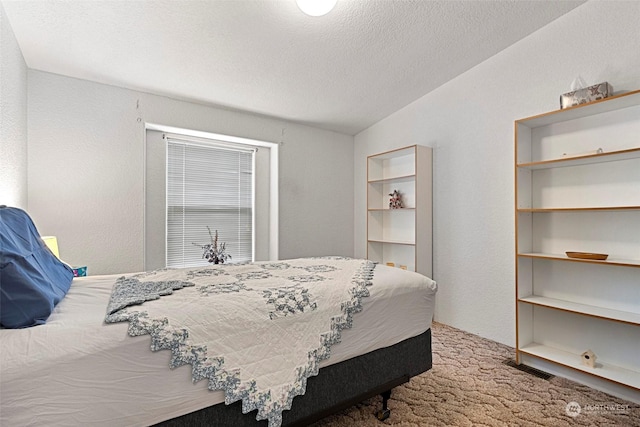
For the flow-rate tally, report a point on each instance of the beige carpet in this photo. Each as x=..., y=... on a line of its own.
x=470, y=385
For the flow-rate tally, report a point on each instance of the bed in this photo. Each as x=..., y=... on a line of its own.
x=76, y=369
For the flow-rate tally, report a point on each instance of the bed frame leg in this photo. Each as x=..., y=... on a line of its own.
x=384, y=413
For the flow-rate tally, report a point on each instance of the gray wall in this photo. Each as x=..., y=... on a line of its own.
x=469, y=122
x=13, y=119
x=86, y=171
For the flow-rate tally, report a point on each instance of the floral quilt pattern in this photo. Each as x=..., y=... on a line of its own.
x=226, y=321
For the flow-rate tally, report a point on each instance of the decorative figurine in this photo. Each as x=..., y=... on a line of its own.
x=396, y=200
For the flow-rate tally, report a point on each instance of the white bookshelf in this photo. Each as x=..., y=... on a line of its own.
x=400, y=236
x=577, y=182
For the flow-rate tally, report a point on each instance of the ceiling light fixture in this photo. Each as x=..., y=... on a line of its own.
x=316, y=7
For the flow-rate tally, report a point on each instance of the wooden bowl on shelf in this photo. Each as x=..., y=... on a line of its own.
x=587, y=255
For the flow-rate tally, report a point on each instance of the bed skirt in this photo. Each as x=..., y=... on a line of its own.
x=337, y=387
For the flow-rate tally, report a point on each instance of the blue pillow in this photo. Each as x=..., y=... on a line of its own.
x=32, y=279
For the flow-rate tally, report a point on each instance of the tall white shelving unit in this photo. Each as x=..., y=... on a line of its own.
x=577, y=181
x=402, y=236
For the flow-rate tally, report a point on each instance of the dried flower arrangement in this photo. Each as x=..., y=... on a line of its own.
x=212, y=252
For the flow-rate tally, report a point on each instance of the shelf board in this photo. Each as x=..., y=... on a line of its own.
x=632, y=153
x=587, y=209
x=562, y=257
x=393, y=242
x=584, y=309
x=390, y=210
x=611, y=103
x=393, y=179
x=399, y=152
x=604, y=370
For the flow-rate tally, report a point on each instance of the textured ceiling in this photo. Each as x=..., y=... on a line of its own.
x=343, y=71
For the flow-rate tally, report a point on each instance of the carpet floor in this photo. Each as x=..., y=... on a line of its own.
x=470, y=385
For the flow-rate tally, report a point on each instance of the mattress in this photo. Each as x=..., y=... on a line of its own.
x=77, y=370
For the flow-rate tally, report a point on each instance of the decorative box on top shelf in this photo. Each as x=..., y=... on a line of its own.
x=586, y=95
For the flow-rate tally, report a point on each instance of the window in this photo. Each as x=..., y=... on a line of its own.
x=209, y=184
x=265, y=193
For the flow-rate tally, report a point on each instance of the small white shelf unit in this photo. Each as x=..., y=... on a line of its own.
x=401, y=236
x=577, y=188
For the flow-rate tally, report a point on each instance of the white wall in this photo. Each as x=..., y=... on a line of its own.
x=469, y=122
x=13, y=119
x=86, y=171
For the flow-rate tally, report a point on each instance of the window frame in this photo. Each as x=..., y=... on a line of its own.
x=267, y=213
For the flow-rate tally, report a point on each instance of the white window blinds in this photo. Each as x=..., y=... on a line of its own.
x=208, y=185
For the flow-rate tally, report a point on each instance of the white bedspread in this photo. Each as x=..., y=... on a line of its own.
x=75, y=370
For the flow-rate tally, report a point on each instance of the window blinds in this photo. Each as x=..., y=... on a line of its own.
x=208, y=185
